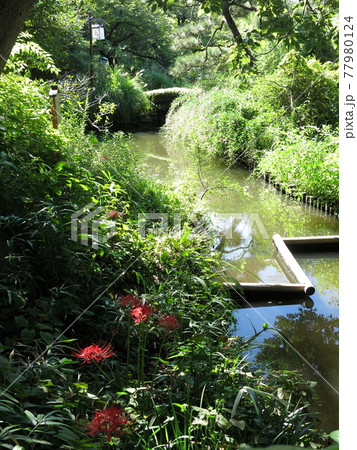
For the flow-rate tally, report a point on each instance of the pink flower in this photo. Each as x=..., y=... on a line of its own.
x=130, y=300
x=141, y=313
x=170, y=323
x=111, y=422
x=94, y=352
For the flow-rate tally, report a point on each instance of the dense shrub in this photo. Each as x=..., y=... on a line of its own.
x=125, y=92
x=157, y=79
x=310, y=165
x=306, y=89
x=25, y=112
x=222, y=122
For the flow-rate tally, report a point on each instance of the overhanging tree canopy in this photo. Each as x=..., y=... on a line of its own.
x=295, y=22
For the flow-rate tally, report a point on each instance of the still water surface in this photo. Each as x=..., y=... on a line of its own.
x=247, y=218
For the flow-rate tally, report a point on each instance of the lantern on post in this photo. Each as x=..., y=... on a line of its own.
x=96, y=33
x=54, y=94
x=97, y=30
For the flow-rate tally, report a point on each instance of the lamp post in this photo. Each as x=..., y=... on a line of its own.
x=96, y=33
x=90, y=47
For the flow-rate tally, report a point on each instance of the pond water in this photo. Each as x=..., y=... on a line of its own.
x=247, y=212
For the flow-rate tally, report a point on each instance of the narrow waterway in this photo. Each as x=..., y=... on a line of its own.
x=247, y=213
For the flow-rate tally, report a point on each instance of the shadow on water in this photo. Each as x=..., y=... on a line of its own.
x=247, y=217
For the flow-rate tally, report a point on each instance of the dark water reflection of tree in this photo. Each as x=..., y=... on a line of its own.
x=315, y=337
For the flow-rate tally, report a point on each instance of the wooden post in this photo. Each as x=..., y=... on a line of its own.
x=293, y=265
x=55, y=106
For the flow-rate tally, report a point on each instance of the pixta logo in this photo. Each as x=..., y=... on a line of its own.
x=89, y=222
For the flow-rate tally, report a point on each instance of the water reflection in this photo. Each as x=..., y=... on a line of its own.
x=315, y=337
x=322, y=269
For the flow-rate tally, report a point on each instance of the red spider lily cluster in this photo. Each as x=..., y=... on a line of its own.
x=141, y=313
x=112, y=214
x=130, y=300
x=94, y=353
x=169, y=323
x=138, y=312
x=112, y=422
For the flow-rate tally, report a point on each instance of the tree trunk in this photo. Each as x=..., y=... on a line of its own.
x=235, y=32
x=12, y=17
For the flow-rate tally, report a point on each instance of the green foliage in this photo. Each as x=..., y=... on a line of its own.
x=317, y=30
x=190, y=387
x=157, y=79
x=26, y=56
x=25, y=107
x=308, y=90
x=308, y=164
x=116, y=86
x=309, y=27
x=222, y=122
x=134, y=35
x=57, y=28
x=201, y=48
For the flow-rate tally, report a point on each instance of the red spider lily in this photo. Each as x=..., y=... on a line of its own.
x=170, y=323
x=130, y=300
x=141, y=313
x=94, y=353
x=112, y=214
x=111, y=422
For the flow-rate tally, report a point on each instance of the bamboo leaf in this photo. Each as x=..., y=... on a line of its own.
x=32, y=418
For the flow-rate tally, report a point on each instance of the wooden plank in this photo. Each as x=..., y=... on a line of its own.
x=293, y=265
x=312, y=243
x=269, y=287
x=265, y=288
x=258, y=301
x=263, y=294
x=311, y=239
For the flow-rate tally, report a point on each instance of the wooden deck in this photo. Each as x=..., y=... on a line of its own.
x=272, y=294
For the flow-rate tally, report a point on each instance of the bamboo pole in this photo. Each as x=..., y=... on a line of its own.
x=293, y=265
